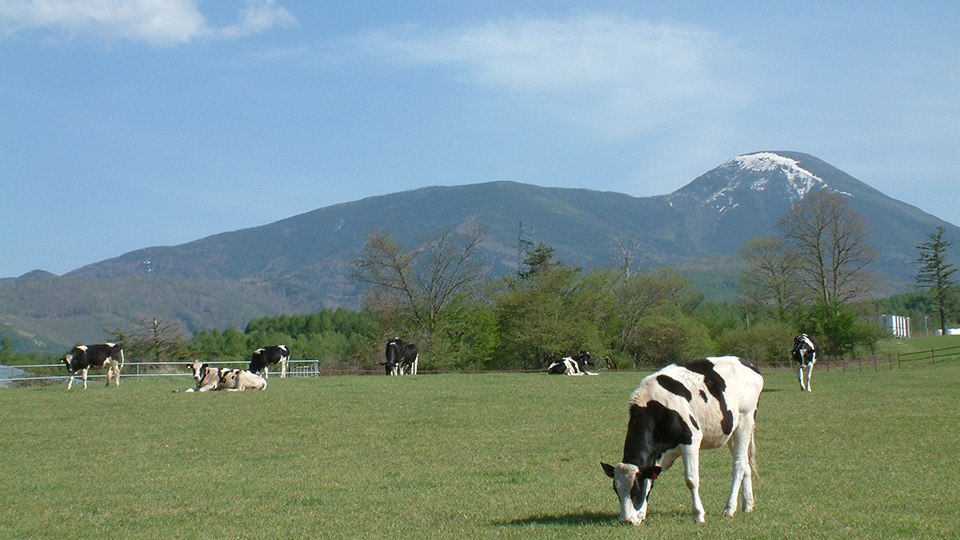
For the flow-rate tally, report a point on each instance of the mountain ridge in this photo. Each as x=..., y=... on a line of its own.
x=303, y=263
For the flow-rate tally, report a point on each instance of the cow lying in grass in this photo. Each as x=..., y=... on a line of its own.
x=572, y=365
x=679, y=410
x=235, y=380
x=211, y=378
x=208, y=378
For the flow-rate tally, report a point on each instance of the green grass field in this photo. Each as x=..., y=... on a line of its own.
x=866, y=455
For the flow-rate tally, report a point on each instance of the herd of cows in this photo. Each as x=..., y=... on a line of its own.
x=674, y=413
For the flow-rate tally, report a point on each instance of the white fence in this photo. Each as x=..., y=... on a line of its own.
x=138, y=370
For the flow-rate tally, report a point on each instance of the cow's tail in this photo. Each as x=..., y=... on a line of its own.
x=121, y=361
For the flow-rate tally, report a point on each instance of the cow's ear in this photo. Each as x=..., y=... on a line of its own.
x=607, y=468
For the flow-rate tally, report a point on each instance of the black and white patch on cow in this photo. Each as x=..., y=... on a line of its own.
x=402, y=358
x=240, y=379
x=107, y=356
x=262, y=358
x=679, y=410
x=572, y=365
x=804, y=355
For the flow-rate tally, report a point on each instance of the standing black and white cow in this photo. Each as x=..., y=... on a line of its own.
x=262, y=358
x=804, y=354
x=572, y=365
x=102, y=355
x=401, y=358
x=679, y=410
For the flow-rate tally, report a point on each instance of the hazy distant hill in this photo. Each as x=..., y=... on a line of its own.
x=303, y=263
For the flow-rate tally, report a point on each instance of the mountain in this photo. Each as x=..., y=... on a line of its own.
x=303, y=263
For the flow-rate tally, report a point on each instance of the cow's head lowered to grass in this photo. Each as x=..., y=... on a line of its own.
x=633, y=488
x=678, y=410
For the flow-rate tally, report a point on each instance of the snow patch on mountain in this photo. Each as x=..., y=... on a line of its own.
x=800, y=181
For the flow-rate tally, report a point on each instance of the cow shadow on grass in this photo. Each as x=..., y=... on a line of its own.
x=584, y=519
x=581, y=518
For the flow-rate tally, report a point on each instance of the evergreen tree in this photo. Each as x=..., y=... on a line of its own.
x=934, y=274
x=538, y=261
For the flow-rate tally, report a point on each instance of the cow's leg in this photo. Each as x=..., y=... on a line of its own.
x=283, y=368
x=668, y=458
x=740, y=450
x=70, y=382
x=800, y=377
x=83, y=372
x=416, y=362
x=751, y=468
x=266, y=372
x=691, y=476
x=809, y=375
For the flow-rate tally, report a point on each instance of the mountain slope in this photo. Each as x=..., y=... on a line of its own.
x=303, y=263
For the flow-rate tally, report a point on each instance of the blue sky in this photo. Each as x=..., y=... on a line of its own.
x=128, y=124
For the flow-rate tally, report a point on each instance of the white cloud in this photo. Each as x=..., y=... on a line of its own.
x=619, y=75
x=160, y=23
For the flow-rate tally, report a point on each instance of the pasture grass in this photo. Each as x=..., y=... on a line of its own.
x=866, y=455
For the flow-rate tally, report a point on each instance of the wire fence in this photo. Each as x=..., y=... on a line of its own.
x=883, y=362
x=38, y=374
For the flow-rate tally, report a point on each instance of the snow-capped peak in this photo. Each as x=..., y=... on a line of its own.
x=800, y=180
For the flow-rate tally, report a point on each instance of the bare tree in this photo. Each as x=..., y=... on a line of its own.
x=625, y=255
x=419, y=283
x=150, y=340
x=934, y=274
x=770, y=278
x=830, y=241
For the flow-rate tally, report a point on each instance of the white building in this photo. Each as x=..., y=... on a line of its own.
x=898, y=325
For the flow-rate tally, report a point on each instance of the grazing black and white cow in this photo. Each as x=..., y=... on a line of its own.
x=102, y=355
x=401, y=358
x=679, y=410
x=262, y=358
x=240, y=379
x=804, y=354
